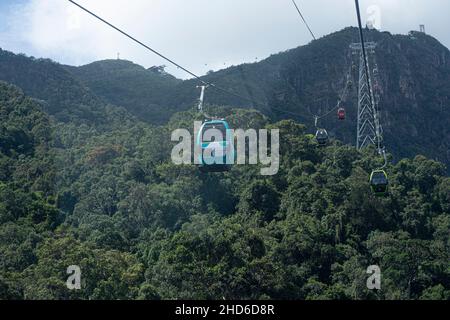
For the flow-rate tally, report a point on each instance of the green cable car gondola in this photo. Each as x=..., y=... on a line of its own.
x=379, y=182
x=322, y=137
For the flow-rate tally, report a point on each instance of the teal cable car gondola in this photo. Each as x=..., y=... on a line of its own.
x=216, y=145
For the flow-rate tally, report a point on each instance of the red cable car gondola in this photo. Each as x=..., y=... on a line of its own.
x=341, y=114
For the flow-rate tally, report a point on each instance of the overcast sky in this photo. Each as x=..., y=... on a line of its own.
x=199, y=34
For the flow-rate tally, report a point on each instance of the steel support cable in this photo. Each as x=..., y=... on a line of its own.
x=206, y=83
x=363, y=48
x=304, y=20
x=377, y=95
x=366, y=67
x=381, y=151
x=341, y=98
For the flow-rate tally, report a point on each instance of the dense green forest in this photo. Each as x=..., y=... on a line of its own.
x=108, y=198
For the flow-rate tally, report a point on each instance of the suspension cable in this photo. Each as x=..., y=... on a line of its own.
x=363, y=47
x=203, y=82
x=304, y=20
x=342, y=97
x=206, y=83
x=366, y=67
x=381, y=150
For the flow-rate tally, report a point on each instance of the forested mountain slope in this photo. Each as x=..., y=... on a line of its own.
x=140, y=227
x=144, y=92
x=34, y=237
x=58, y=92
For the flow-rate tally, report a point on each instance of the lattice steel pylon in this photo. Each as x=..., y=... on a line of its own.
x=369, y=130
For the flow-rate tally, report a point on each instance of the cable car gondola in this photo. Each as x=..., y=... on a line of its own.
x=341, y=114
x=379, y=182
x=349, y=83
x=213, y=156
x=322, y=137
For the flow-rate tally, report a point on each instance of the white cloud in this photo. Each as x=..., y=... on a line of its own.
x=199, y=34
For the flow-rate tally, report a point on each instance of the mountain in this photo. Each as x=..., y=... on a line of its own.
x=414, y=81
x=143, y=92
x=57, y=91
